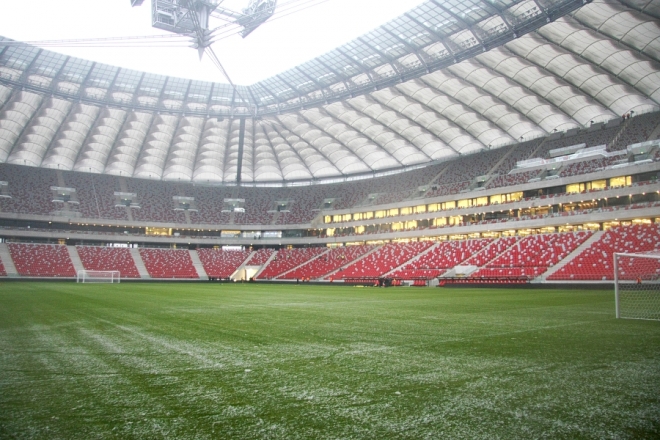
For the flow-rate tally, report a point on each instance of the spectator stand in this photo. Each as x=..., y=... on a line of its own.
x=287, y=259
x=596, y=262
x=322, y=266
x=168, y=263
x=469, y=281
x=383, y=260
x=42, y=260
x=221, y=264
x=108, y=258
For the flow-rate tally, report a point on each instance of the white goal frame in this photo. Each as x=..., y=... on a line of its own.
x=636, y=289
x=98, y=276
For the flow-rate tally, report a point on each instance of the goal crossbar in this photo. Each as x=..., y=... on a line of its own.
x=98, y=276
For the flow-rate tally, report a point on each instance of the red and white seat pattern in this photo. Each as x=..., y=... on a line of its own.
x=168, y=263
x=219, y=263
x=442, y=256
x=108, y=258
x=642, y=269
x=328, y=262
x=492, y=251
x=260, y=257
x=541, y=250
x=383, y=260
x=287, y=259
x=30, y=190
x=596, y=262
x=41, y=260
x=533, y=255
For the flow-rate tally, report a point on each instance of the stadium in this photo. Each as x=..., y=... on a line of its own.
x=484, y=160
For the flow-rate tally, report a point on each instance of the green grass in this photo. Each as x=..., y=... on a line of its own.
x=270, y=361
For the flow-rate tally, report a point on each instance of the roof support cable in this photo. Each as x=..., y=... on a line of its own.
x=214, y=58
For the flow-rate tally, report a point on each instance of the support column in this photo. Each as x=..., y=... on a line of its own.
x=241, y=139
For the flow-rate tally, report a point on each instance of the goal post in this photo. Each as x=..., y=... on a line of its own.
x=637, y=285
x=98, y=276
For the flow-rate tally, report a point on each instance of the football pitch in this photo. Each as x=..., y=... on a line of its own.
x=206, y=360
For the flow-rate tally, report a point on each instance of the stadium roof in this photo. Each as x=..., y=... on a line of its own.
x=446, y=78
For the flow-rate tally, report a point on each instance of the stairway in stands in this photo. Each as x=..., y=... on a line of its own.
x=7, y=262
x=197, y=264
x=139, y=264
x=75, y=258
x=564, y=261
x=415, y=261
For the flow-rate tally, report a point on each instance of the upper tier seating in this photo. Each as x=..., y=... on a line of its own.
x=638, y=129
x=596, y=262
x=108, y=258
x=31, y=194
x=306, y=201
x=591, y=138
x=521, y=151
x=512, y=179
x=168, y=263
x=459, y=173
x=404, y=184
x=29, y=189
x=257, y=205
x=41, y=260
x=209, y=203
x=287, y=259
x=589, y=166
x=95, y=192
x=156, y=201
x=219, y=263
x=328, y=262
x=383, y=260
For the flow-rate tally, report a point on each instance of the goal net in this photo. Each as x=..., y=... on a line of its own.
x=98, y=276
x=637, y=285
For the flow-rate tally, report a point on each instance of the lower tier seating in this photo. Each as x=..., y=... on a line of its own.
x=41, y=260
x=260, y=257
x=596, y=262
x=287, y=259
x=448, y=254
x=442, y=256
x=517, y=272
x=639, y=269
x=491, y=252
x=507, y=258
x=328, y=262
x=108, y=258
x=412, y=274
x=543, y=250
x=168, y=263
x=384, y=260
x=219, y=263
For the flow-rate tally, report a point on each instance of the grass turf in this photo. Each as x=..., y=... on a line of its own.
x=270, y=361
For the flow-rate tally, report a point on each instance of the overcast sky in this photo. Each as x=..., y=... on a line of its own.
x=273, y=48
